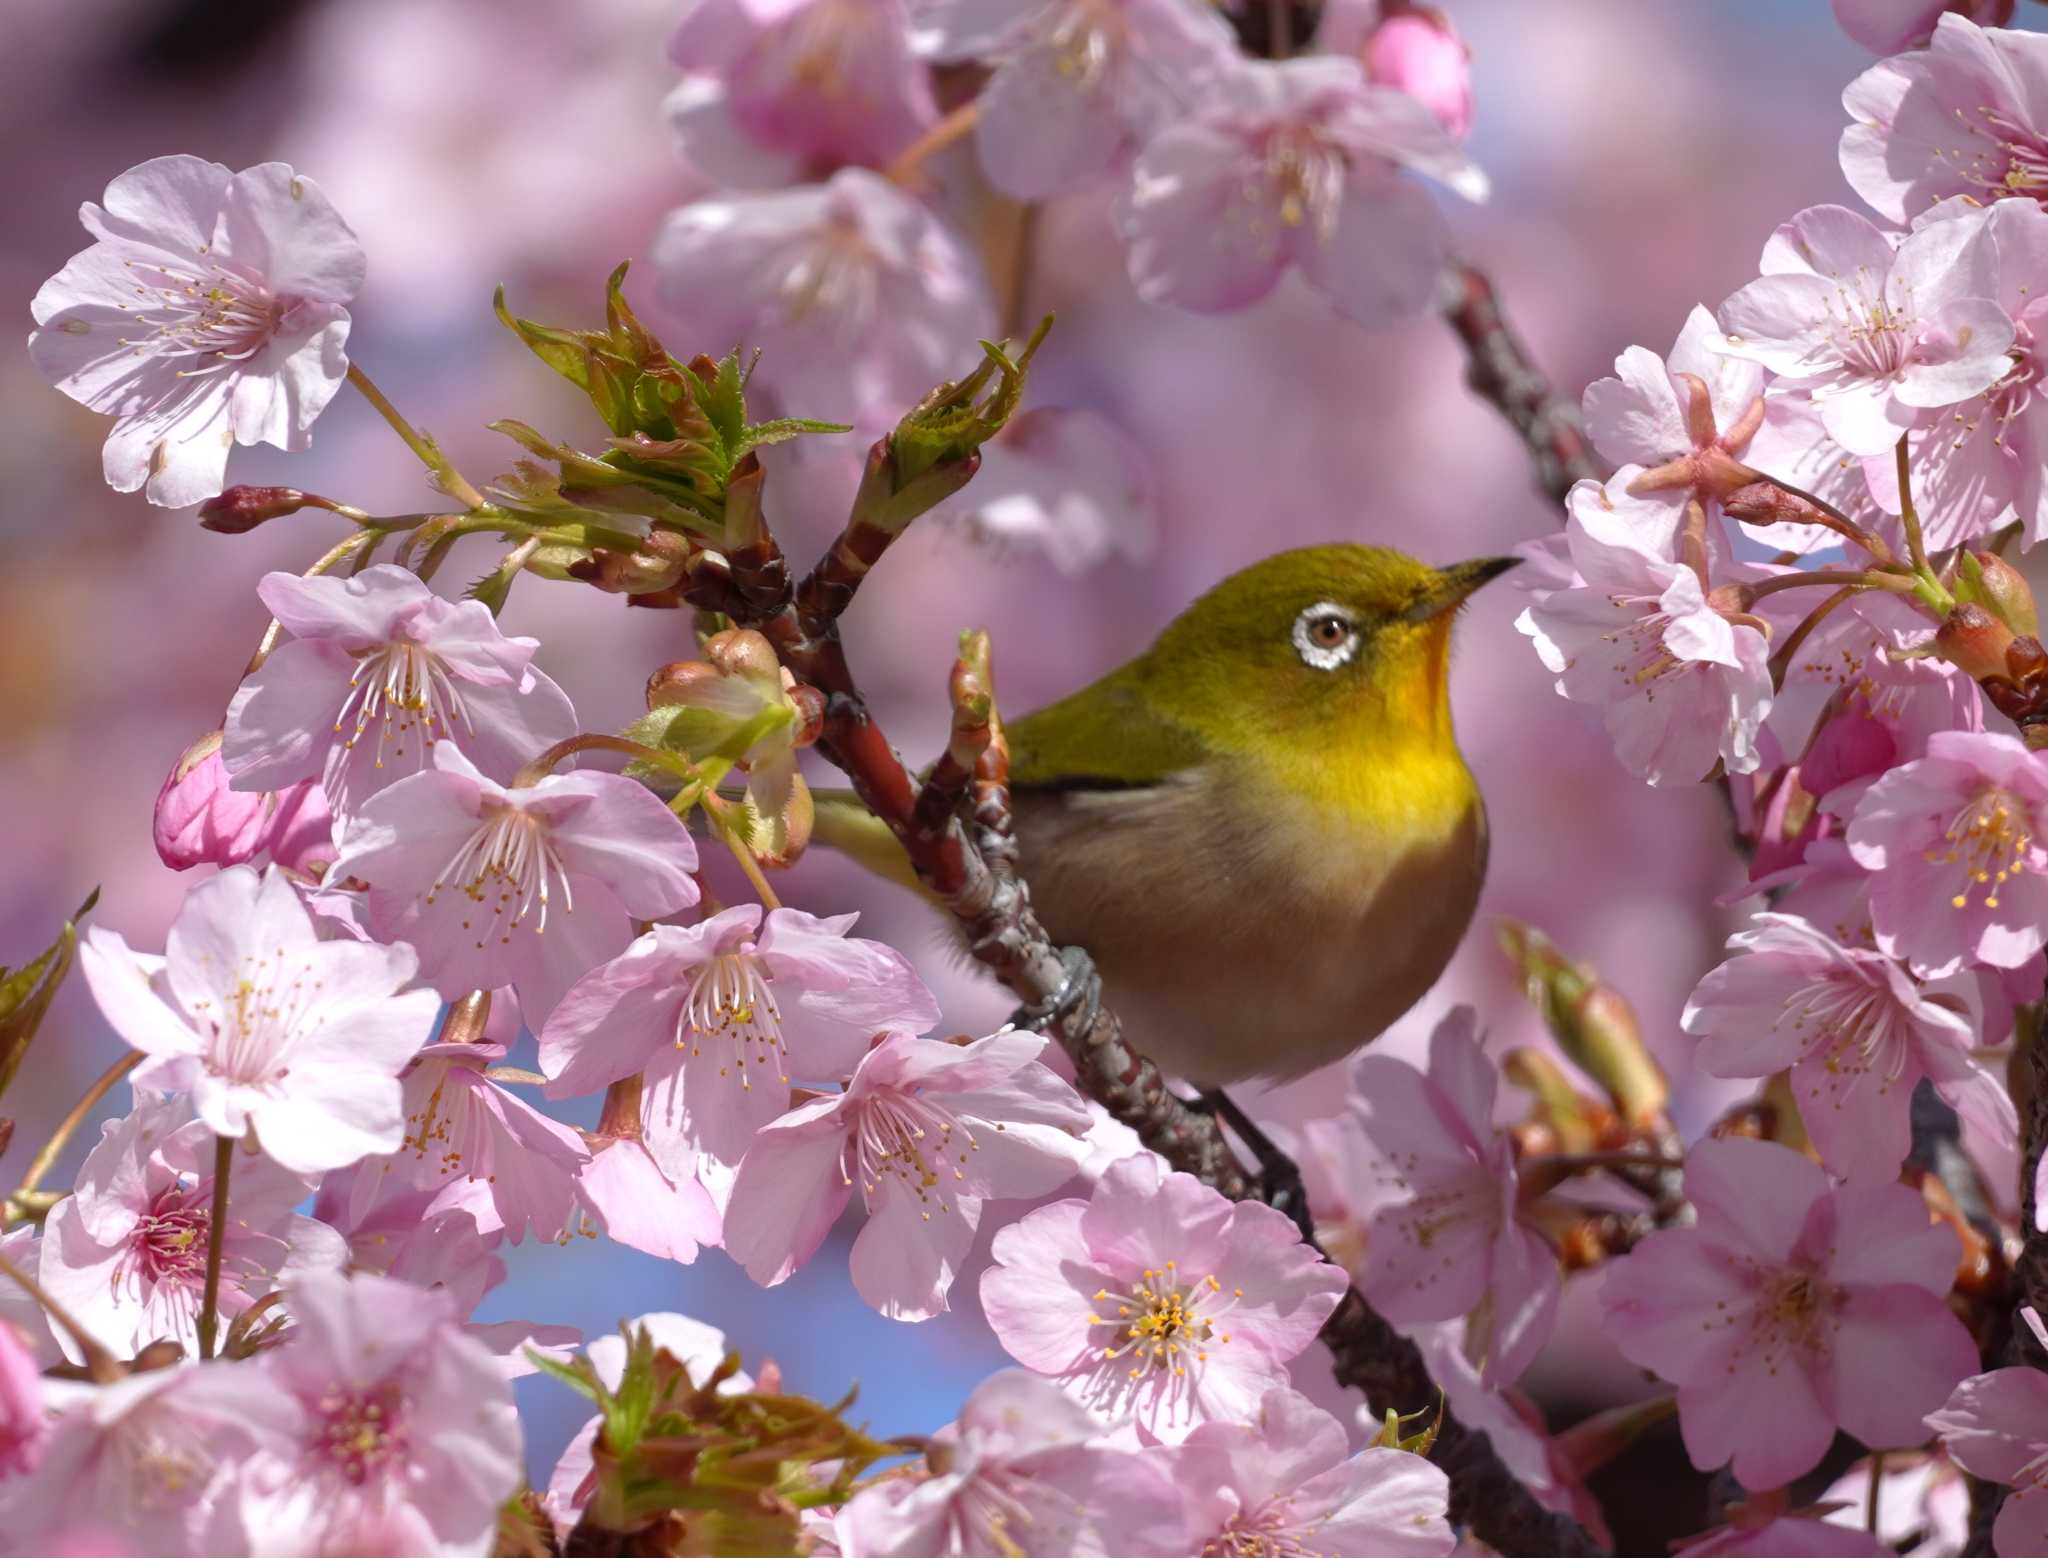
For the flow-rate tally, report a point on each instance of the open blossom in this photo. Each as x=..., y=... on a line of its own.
x=1959, y=855
x=1682, y=683
x=270, y=1029
x=1872, y=335
x=1157, y=1298
x=125, y=1253
x=858, y=296
x=1685, y=417
x=771, y=90
x=381, y=1428
x=137, y=1465
x=1826, y=1308
x=1857, y=1033
x=211, y=311
x=1996, y=1427
x=460, y=1125
x=1065, y=482
x=528, y=885
x=1446, y=1241
x=379, y=669
x=1296, y=163
x=1021, y=1464
x=1961, y=117
x=928, y=1131
x=1285, y=1481
x=437, y=1239
x=21, y=1248
x=723, y=1014
x=1078, y=85
x=638, y=1202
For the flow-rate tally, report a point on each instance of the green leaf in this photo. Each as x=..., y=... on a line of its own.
x=956, y=419
x=26, y=992
x=781, y=430
x=577, y=1374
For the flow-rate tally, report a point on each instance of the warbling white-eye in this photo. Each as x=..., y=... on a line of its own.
x=1261, y=828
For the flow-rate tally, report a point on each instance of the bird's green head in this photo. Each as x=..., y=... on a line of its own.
x=1316, y=650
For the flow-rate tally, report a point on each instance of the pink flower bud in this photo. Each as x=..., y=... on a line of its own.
x=1421, y=53
x=241, y=509
x=199, y=820
x=22, y=1424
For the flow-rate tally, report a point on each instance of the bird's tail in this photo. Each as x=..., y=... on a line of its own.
x=843, y=822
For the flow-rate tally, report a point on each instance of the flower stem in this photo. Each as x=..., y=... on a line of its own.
x=594, y=741
x=1781, y=658
x=1909, y=516
x=1834, y=519
x=955, y=126
x=216, y=1235
x=1854, y=578
x=44, y=1160
x=744, y=856
x=452, y=481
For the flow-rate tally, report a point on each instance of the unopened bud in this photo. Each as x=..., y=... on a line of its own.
x=1566, y=1115
x=680, y=681
x=1593, y=1024
x=1420, y=53
x=1988, y=580
x=241, y=509
x=742, y=652
x=1975, y=642
x=656, y=564
x=200, y=820
x=810, y=714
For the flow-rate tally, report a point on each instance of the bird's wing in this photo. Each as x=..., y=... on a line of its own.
x=1106, y=736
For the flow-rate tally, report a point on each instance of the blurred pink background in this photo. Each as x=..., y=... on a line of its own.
x=1641, y=150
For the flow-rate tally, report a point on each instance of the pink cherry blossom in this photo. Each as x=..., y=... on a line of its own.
x=1996, y=1427
x=1857, y=1033
x=1286, y=1481
x=1799, y=1535
x=700, y=1348
x=1870, y=334
x=928, y=1131
x=1079, y=85
x=1893, y=26
x=858, y=297
x=382, y=1428
x=379, y=669
x=23, y=1427
x=462, y=1126
x=1958, y=842
x=529, y=885
x=1446, y=1241
x=639, y=1203
x=201, y=821
x=1293, y=164
x=443, y=1238
x=212, y=310
x=1653, y=414
x=1419, y=52
x=138, y=1465
x=1068, y=483
x=721, y=1016
x=773, y=89
x=1921, y=1499
x=273, y=1031
x=1985, y=460
x=1790, y=1310
x=1157, y=1298
x=1959, y=118
x=125, y=1253
x=1683, y=684
x=1021, y=1461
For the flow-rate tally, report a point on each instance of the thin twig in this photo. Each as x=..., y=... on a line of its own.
x=46, y=1159
x=452, y=481
x=216, y=1236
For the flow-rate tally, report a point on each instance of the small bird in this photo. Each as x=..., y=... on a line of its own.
x=1261, y=829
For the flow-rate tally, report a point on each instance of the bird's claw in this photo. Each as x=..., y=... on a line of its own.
x=1080, y=992
x=1280, y=1182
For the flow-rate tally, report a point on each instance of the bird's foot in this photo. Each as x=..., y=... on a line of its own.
x=1079, y=994
x=1280, y=1183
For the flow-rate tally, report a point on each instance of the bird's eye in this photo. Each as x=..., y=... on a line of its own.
x=1325, y=636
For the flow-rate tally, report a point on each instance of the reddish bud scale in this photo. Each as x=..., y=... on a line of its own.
x=241, y=509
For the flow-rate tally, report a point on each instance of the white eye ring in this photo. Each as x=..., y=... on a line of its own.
x=1325, y=657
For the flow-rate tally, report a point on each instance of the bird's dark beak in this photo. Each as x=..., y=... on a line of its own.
x=1455, y=583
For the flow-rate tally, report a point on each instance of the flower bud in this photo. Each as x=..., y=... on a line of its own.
x=1975, y=642
x=241, y=509
x=199, y=820
x=743, y=652
x=1592, y=1023
x=1988, y=580
x=1420, y=53
x=680, y=681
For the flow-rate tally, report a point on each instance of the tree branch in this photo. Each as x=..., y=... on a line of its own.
x=966, y=861
x=1500, y=372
